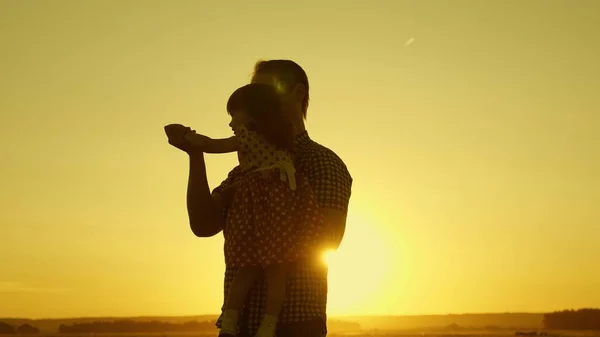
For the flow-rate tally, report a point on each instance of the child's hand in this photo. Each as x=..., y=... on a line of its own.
x=176, y=130
x=176, y=135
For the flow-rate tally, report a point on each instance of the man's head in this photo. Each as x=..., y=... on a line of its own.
x=290, y=81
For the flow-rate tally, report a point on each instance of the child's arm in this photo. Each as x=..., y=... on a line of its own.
x=209, y=145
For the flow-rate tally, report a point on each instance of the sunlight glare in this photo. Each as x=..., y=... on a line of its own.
x=328, y=256
x=362, y=259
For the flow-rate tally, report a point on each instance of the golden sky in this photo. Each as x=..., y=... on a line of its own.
x=471, y=128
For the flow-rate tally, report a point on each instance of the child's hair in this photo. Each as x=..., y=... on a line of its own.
x=263, y=105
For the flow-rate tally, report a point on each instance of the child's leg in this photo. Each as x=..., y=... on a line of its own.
x=235, y=298
x=276, y=281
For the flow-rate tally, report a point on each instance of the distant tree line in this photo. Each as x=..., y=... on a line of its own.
x=23, y=329
x=342, y=326
x=582, y=319
x=131, y=326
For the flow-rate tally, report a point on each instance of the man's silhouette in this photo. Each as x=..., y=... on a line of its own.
x=304, y=310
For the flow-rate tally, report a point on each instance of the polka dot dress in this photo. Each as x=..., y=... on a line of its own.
x=269, y=222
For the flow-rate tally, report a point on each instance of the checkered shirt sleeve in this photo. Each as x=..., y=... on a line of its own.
x=329, y=178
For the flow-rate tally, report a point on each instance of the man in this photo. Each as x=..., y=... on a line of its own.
x=304, y=311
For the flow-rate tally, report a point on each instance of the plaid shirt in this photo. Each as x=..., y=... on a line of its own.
x=304, y=309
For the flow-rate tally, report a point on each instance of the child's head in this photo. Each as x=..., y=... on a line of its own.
x=258, y=107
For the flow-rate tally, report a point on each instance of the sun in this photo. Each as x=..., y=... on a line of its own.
x=357, y=270
x=328, y=256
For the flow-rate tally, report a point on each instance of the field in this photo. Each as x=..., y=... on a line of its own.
x=454, y=325
x=344, y=334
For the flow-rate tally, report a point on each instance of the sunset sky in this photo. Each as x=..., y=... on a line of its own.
x=471, y=129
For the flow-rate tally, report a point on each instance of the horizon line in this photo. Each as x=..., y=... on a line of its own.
x=216, y=314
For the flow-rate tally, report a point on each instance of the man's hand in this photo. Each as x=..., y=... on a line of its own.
x=176, y=135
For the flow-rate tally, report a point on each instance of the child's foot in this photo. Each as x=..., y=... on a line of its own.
x=229, y=323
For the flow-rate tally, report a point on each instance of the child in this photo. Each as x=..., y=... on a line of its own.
x=273, y=218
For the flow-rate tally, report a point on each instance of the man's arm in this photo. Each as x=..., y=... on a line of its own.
x=203, y=211
x=332, y=184
x=335, y=223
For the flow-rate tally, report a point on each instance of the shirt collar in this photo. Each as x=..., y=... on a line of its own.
x=302, y=139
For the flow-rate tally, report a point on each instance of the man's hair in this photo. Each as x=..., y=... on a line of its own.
x=263, y=105
x=288, y=72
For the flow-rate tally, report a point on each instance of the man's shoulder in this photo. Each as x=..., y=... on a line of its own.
x=233, y=175
x=315, y=156
x=328, y=175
